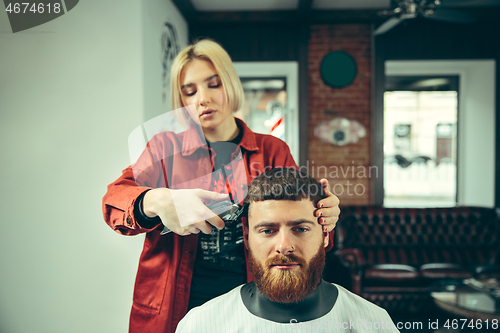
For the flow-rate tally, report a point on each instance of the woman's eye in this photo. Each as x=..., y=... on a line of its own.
x=214, y=85
x=190, y=93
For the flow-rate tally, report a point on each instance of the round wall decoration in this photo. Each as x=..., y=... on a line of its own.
x=338, y=69
x=339, y=131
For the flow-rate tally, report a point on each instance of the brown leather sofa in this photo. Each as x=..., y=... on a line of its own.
x=396, y=256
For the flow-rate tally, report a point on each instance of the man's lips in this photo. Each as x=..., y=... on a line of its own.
x=290, y=265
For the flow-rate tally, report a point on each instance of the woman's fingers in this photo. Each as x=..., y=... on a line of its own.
x=329, y=223
x=205, y=227
x=183, y=211
x=193, y=230
x=328, y=209
x=209, y=195
x=328, y=215
x=216, y=221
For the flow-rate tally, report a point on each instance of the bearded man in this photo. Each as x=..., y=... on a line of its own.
x=286, y=249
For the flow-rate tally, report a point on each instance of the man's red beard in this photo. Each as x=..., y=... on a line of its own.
x=283, y=285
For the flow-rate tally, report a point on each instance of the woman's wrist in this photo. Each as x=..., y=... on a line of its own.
x=141, y=217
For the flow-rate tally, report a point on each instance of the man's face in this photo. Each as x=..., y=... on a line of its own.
x=286, y=248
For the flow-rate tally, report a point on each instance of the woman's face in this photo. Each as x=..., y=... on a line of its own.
x=201, y=86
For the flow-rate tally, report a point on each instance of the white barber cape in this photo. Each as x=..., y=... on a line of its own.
x=227, y=313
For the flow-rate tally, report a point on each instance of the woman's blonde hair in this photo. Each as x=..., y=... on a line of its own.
x=208, y=49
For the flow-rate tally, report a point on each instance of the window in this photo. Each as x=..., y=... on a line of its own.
x=271, y=93
x=476, y=124
x=265, y=108
x=420, y=141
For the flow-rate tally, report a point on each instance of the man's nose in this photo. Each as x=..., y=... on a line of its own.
x=285, y=244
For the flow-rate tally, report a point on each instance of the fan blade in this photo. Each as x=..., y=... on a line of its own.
x=451, y=15
x=387, y=25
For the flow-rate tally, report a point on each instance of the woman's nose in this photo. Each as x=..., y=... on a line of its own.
x=204, y=97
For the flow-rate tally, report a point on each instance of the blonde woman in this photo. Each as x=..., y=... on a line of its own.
x=181, y=267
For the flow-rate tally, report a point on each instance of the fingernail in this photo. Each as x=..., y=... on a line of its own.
x=320, y=214
x=321, y=205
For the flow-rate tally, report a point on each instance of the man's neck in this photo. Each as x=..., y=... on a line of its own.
x=314, y=306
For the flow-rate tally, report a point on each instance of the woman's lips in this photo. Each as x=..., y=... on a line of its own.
x=207, y=114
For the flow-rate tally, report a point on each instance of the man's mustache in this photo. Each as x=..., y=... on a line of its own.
x=282, y=259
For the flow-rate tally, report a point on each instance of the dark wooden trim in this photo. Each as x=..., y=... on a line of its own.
x=497, y=133
x=304, y=14
x=305, y=5
x=187, y=9
x=303, y=96
x=290, y=16
x=457, y=182
x=377, y=121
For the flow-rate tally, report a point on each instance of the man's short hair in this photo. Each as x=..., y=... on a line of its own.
x=285, y=184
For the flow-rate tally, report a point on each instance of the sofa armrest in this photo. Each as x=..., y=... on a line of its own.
x=350, y=258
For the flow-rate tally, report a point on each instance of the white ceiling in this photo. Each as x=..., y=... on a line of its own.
x=266, y=5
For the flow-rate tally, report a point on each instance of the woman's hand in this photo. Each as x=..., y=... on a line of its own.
x=328, y=209
x=173, y=206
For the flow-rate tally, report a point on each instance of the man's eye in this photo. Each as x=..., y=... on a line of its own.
x=266, y=231
x=301, y=229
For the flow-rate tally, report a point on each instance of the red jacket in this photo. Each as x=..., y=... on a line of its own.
x=163, y=279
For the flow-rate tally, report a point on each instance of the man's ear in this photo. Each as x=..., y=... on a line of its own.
x=244, y=224
x=326, y=238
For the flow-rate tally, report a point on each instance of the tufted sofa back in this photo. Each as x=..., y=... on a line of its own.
x=416, y=236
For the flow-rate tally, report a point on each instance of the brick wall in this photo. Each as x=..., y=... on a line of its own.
x=347, y=167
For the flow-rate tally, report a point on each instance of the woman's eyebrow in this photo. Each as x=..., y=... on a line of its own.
x=210, y=78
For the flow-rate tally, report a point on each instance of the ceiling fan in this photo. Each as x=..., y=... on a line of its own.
x=432, y=9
